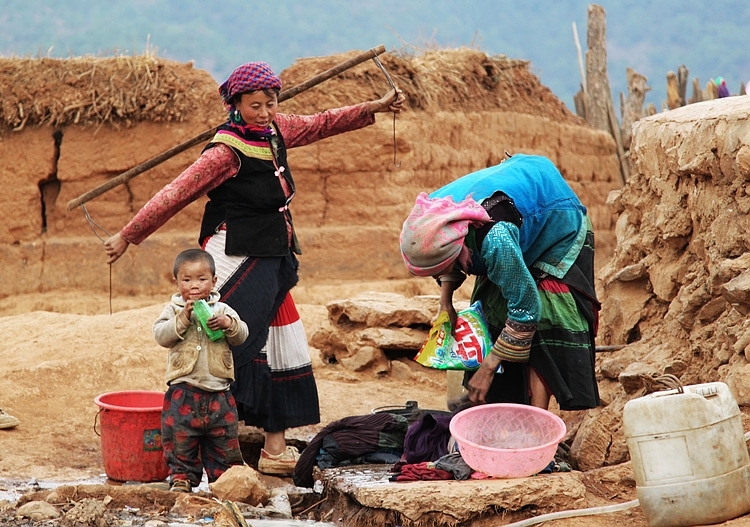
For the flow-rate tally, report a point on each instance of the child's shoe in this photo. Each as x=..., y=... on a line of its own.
x=279, y=465
x=7, y=420
x=181, y=485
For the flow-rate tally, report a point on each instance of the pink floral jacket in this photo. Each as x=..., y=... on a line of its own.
x=218, y=164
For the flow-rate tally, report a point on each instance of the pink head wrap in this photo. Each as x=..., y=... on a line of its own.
x=433, y=235
x=252, y=76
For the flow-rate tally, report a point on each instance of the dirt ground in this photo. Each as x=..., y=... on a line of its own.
x=58, y=360
x=64, y=347
x=62, y=360
x=63, y=356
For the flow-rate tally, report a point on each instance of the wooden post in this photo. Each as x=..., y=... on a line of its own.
x=632, y=107
x=601, y=111
x=697, y=92
x=614, y=129
x=682, y=81
x=581, y=99
x=673, y=91
x=711, y=91
x=208, y=134
x=597, y=82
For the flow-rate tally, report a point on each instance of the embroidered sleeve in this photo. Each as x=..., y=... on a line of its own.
x=301, y=130
x=506, y=268
x=210, y=170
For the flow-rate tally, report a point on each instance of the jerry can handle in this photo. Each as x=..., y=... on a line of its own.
x=707, y=391
x=704, y=391
x=664, y=393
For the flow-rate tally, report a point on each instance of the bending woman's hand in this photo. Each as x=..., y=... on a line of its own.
x=449, y=282
x=393, y=101
x=452, y=315
x=480, y=382
x=115, y=246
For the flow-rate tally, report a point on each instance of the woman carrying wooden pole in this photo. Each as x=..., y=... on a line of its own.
x=208, y=134
x=247, y=228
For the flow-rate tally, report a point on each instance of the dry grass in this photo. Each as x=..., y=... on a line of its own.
x=459, y=75
x=91, y=90
x=430, y=79
x=122, y=90
x=452, y=80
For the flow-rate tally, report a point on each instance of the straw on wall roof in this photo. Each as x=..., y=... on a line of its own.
x=122, y=90
x=451, y=80
x=89, y=90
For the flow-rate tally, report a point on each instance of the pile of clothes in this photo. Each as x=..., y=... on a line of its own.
x=419, y=446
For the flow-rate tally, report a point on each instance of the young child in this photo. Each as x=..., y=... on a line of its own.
x=199, y=419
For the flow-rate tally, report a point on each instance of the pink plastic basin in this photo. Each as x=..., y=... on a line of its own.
x=506, y=440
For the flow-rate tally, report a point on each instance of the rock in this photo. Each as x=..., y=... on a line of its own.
x=447, y=502
x=676, y=368
x=738, y=380
x=712, y=310
x=241, y=483
x=194, y=506
x=630, y=378
x=631, y=272
x=611, y=368
x=86, y=512
x=737, y=292
x=398, y=338
x=367, y=357
x=374, y=309
x=278, y=504
x=229, y=515
x=614, y=200
x=599, y=440
x=37, y=511
x=359, y=330
x=400, y=369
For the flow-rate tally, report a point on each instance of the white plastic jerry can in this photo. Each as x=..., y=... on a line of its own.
x=689, y=455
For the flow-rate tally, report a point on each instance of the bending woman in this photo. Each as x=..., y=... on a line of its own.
x=247, y=227
x=523, y=232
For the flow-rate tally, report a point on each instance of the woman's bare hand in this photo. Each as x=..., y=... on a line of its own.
x=393, y=101
x=452, y=315
x=115, y=247
x=480, y=382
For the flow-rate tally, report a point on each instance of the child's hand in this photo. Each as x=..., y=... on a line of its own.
x=187, y=312
x=218, y=322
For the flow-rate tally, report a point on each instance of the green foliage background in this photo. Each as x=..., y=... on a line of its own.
x=651, y=36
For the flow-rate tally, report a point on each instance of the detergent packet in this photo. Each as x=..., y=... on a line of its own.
x=464, y=352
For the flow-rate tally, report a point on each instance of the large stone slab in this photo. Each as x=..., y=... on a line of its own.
x=449, y=502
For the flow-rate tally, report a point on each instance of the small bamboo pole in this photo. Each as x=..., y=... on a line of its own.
x=208, y=134
x=610, y=348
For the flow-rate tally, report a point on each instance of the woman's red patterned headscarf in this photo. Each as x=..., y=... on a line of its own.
x=252, y=76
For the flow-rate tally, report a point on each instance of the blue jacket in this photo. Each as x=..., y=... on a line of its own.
x=549, y=239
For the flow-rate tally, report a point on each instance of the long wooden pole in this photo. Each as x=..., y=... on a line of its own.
x=208, y=134
x=580, y=60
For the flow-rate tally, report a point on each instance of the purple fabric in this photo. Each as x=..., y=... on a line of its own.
x=252, y=76
x=427, y=438
x=355, y=436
